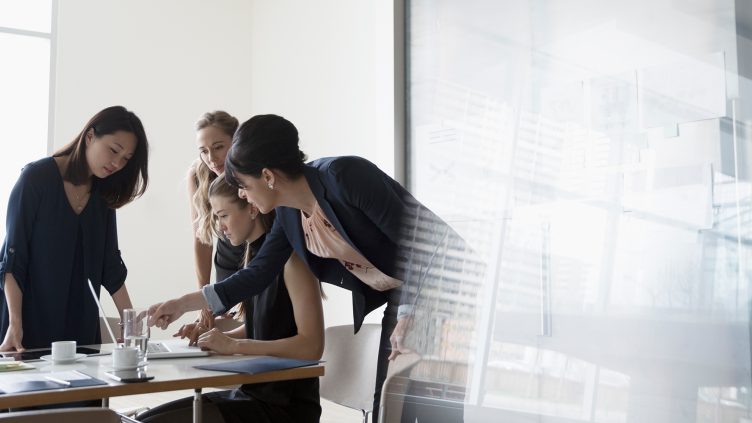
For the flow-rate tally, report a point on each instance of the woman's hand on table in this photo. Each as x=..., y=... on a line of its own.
x=13, y=337
x=217, y=341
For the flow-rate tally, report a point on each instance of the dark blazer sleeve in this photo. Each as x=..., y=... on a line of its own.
x=23, y=205
x=260, y=272
x=114, y=270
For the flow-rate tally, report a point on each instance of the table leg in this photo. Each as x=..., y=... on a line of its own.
x=106, y=402
x=197, y=405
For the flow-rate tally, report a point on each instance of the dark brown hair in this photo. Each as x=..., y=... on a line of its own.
x=128, y=183
x=264, y=141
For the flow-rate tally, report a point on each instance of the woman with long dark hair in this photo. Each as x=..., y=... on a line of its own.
x=61, y=230
x=353, y=225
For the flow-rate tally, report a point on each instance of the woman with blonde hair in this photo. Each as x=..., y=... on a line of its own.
x=214, y=131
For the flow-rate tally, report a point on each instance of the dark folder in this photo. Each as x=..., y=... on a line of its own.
x=257, y=365
x=46, y=381
x=43, y=385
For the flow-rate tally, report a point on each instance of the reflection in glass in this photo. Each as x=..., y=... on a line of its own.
x=596, y=155
x=723, y=404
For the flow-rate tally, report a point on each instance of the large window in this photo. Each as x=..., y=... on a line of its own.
x=597, y=155
x=25, y=75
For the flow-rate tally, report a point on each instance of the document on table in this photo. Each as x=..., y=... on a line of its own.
x=13, y=383
x=258, y=365
x=12, y=366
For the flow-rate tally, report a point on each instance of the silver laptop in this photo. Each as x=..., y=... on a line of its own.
x=169, y=348
x=173, y=348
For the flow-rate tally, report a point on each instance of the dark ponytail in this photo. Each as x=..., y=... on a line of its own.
x=264, y=141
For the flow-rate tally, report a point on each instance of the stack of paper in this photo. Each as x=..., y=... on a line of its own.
x=10, y=366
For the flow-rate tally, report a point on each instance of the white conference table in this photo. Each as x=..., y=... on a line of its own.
x=170, y=374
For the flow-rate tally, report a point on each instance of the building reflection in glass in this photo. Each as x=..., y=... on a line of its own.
x=596, y=157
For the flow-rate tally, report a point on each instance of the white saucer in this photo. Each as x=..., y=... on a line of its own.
x=140, y=364
x=68, y=361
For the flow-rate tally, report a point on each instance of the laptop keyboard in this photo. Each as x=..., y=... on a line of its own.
x=156, y=347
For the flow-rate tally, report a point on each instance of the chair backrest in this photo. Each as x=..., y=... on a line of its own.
x=104, y=333
x=62, y=415
x=350, y=361
x=393, y=392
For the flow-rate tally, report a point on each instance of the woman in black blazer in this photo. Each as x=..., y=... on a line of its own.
x=370, y=211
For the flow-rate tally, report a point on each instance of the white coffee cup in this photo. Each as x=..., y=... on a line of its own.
x=125, y=358
x=63, y=350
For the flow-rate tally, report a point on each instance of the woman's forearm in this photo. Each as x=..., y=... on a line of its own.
x=121, y=299
x=193, y=301
x=14, y=299
x=237, y=333
x=298, y=347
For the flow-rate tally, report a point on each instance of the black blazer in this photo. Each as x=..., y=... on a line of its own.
x=369, y=210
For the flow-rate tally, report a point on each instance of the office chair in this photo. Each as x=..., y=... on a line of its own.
x=350, y=362
x=66, y=415
x=395, y=387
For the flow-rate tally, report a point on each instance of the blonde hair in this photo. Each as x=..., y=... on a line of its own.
x=204, y=176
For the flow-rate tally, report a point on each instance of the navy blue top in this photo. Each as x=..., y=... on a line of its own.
x=371, y=211
x=51, y=251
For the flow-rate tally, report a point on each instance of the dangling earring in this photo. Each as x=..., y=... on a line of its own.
x=271, y=186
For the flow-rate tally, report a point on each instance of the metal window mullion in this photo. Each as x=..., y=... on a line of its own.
x=26, y=33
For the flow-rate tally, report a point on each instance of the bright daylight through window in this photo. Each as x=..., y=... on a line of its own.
x=25, y=40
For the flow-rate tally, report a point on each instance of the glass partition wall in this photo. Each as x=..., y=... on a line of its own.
x=596, y=157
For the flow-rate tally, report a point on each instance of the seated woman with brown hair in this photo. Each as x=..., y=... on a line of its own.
x=285, y=320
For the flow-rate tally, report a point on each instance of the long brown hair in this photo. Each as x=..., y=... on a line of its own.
x=128, y=183
x=221, y=188
x=204, y=176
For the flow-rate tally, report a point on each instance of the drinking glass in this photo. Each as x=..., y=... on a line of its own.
x=135, y=330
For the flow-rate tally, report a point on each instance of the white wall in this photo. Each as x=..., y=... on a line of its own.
x=327, y=66
x=169, y=61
